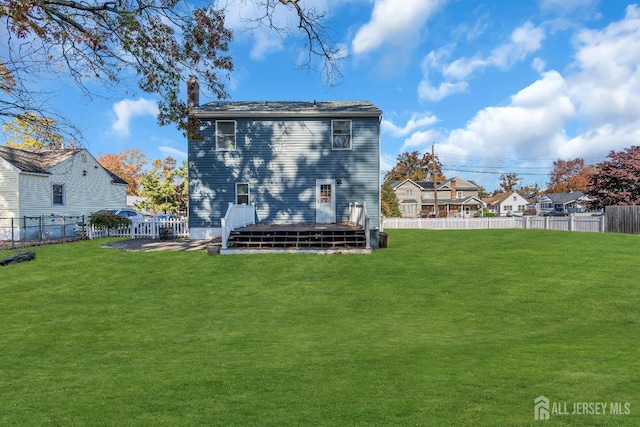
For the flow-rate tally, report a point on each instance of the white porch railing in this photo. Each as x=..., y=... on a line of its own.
x=358, y=216
x=236, y=216
x=153, y=229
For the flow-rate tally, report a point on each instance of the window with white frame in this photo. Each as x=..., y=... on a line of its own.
x=459, y=195
x=242, y=193
x=225, y=135
x=341, y=134
x=409, y=208
x=58, y=194
x=409, y=192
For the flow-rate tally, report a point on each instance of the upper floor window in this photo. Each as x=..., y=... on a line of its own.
x=409, y=192
x=225, y=135
x=341, y=134
x=458, y=194
x=58, y=194
x=242, y=193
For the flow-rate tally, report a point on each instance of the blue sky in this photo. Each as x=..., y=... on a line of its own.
x=498, y=86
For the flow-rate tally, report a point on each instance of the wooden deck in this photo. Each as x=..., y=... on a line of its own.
x=296, y=237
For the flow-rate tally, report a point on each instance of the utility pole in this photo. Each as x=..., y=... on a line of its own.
x=435, y=182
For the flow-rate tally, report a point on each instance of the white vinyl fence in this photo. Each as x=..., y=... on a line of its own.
x=569, y=223
x=152, y=229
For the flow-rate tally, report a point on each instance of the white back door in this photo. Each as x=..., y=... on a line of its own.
x=325, y=201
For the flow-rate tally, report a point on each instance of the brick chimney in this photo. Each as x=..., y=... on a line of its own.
x=454, y=193
x=193, y=92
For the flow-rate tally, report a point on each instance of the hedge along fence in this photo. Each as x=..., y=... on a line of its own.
x=40, y=228
x=623, y=219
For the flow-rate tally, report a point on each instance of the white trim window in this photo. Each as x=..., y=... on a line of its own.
x=225, y=135
x=341, y=134
x=242, y=193
x=57, y=191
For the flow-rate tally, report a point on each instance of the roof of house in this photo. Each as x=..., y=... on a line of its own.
x=567, y=197
x=428, y=185
x=35, y=162
x=287, y=109
x=42, y=161
x=499, y=198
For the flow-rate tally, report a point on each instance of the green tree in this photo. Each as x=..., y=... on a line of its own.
x=389, y=201
x=164, y=187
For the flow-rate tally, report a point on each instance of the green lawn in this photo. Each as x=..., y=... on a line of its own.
x=441, y=328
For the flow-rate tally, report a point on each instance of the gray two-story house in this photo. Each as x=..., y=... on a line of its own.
x=296, y=162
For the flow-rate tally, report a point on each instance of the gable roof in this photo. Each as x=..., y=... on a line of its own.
x=397, y=184
x=35, y=162
x=287, y=109
x=562, y=198
x=41, y=161
x=499, y=198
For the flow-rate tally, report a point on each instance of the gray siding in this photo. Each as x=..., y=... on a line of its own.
x=281, y=159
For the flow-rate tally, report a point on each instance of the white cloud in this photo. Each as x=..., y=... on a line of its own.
x=523, y=41
x=168, y=151
x=394, y=22
x=416, y=121
x=127, y=109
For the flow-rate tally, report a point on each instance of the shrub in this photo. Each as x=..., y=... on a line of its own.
x=108, y=220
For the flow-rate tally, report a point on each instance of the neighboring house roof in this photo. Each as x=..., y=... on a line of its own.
x=287, y=109
x=35, y=162
x=428, y=185
x=42, y=161
x=475, y=200
x=564, y=198
x=499, y=198
x=396, y=184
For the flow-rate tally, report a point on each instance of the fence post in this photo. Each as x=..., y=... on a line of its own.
x=13, y=243
x=602, y=224
x=571, y=224
x=41, y=221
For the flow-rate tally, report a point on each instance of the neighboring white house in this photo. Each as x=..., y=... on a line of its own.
x=506, y=204
x=67, y=182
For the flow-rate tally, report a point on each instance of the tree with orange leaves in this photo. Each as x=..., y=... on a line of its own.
x=127, y=165
x=569, y=175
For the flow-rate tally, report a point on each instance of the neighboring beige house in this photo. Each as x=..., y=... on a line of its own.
x=457, y=197
x=67, y=182
x=505, y=204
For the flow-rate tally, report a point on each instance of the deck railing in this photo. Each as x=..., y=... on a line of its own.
x=236, y=216
x=358, y=216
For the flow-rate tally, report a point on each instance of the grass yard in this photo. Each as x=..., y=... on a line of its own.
x=441, y=328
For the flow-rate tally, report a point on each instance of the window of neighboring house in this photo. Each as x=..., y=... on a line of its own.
x=409, y=192
x=225, y=135
x=242, y=193
x=408, y=209
x=459, y=195
x=428, y=194
x=508, y=208
x=341, y=134
x=58, y=194
x=515, y=198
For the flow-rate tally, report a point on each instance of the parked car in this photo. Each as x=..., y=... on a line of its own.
x=132, y=214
